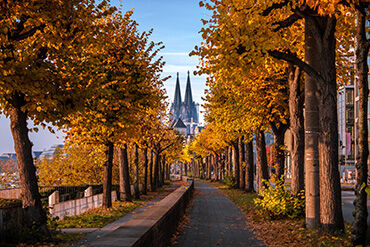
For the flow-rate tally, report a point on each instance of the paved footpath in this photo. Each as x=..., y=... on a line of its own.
x=214, y=220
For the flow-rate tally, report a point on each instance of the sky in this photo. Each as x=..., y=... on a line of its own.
x=176, y=23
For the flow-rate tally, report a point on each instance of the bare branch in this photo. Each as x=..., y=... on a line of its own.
x=298, y=62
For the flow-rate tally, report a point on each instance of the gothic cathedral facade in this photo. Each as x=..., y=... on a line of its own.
x=187, y=110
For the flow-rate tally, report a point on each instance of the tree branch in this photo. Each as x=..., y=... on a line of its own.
x=18, y=36
x=168, y=146
x=298, y=62
x=273, y=127
x=287, y=22
x=274, y=6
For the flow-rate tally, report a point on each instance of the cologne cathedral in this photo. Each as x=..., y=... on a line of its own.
x=187, y=111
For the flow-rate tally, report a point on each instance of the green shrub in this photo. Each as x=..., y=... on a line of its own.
x=229, y=181
x=278, y=202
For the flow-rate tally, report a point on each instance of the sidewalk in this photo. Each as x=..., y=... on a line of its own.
x=214, y=220
x=96, y=233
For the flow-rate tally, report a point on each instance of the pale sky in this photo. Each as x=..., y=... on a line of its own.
x=176, y=23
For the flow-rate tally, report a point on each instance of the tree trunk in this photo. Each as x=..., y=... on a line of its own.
x=107, y=183
x=230, y=153
x=279, y=130
x=168, y=170
x=186, y=169
x=225, y=158
x=262, y=171
x=145, y=186
x=237, y=164
x=217, y=168
x=296, y=129
x=136, y=161
x=249, y=169
x=359, y=226
x=163, y=169
x=156, y=170
x=311, y=126
x=242, y=162
x=209, y=167
x=204, y=168
x=160, y=172
x=331, y=217
x=151, y=181
x=124, y=175
x=34, y=216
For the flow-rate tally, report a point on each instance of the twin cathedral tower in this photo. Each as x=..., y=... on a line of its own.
x=187, y=111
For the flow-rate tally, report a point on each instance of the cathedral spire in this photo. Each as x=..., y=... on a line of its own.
x=177, y=100
x=188, y=95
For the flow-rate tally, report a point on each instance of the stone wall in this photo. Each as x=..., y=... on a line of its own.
x=161, y=232
x=11, y=220
x=153, y=227
x=78, y=206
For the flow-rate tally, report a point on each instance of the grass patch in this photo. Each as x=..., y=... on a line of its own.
x=98, y=217
x=281, y=232
x=10, y=203
x=59, y=239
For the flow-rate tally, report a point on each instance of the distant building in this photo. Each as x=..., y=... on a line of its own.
x=346, y=122
x=187, y=111
x=36, y=154
x=13, y=156
x=49, y=153
x=346, y=131
x=180, y=127
x=8, y=156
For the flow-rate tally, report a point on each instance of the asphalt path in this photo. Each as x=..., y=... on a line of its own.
x=347, y=207
x=214, y=220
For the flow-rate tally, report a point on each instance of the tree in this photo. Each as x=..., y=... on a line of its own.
x=320, y=71
x=74, y=164
x=296, y=99
x=136, y=161
x=238, y=49
x=243, y=75
x=124, y=175
x=40, y=61
x=164, y=139
x=126, y=86
x=359, y=225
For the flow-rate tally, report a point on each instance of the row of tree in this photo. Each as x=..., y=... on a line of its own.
x=257, y=55
x=84, y=67
x=83, y=164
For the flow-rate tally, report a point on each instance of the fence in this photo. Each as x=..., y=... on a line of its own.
x=10, y=193
x=78, y=206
